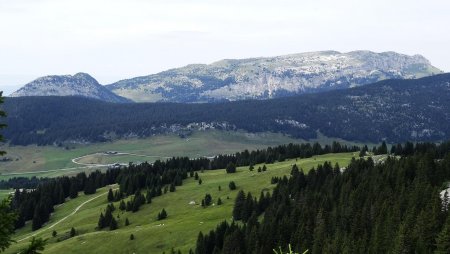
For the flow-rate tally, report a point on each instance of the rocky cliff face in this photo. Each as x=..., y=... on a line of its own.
x=270, y=77
x=80, y=84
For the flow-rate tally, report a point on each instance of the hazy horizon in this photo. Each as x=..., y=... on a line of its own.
x=114, y=40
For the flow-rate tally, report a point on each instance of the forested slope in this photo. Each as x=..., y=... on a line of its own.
x=391, y=110
x=393, y=207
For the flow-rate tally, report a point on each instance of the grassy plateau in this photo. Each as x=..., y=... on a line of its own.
x=51, y=161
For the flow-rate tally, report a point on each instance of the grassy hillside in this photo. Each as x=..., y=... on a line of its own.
x=51, y=161
x=4, y=193
x=184, y=221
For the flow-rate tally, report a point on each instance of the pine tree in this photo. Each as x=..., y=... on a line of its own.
x=108, y=217
x=54, y=233
x=162, y=215
x=232, y=185
x=207, y=200
x=113, y=224
x=122, y=206
x=200, y=181
x=231, y=168
x=196, y=176
x=73, y=190
x=73, y=232
x=172, y=187
x=219, y=201
x=110, y=196
x=101, y=221
x=239, y=205
x=148, y=197
x=443, y=239
x=35, y=247
x=127, y=222
x=131, y=237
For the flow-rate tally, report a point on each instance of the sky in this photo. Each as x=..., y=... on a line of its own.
x=115, y=39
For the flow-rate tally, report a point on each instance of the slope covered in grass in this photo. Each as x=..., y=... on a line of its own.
x=184, y=222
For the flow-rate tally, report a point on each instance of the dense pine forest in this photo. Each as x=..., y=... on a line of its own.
x=369, y=114
x=391, y=207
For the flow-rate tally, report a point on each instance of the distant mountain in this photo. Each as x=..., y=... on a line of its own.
x=271, y=77
x=80, y=84
x=390, y=110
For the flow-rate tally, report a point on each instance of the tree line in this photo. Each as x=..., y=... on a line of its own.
x=37, y=204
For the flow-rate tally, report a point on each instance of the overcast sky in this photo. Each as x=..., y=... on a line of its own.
x=113, y=39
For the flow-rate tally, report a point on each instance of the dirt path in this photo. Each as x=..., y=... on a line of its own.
x=62, y=219
x=75, y=160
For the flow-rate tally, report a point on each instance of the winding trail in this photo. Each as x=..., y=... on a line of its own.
x=75, y=160
x=84, y=165
x=62, y=219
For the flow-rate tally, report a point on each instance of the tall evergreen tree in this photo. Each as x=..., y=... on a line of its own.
x=110, y=196
x=101, y=221
x=73, y=190
x=73, y=232
x=443, y=239
x=35, y=247
x=7, y=219
x=239, y=205
x=113, y=224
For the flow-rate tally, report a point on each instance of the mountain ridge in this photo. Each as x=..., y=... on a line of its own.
x=242, y=79
x=272, y=77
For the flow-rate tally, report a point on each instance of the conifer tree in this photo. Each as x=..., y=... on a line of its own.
x=162, y=215
x=122, y=205
x=73, y=190
x=108, y=217
x=207, y=200
x=7, y=219
x=101, y=221
x=73, y=232
x=239, y=205
x=231, y=168
x=113, y=224
x=35, y=247
x=110, y=196
x=443, y=239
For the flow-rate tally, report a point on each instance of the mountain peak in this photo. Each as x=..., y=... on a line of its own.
x=80, y=84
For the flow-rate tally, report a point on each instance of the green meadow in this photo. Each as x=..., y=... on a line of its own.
x=184, y=221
